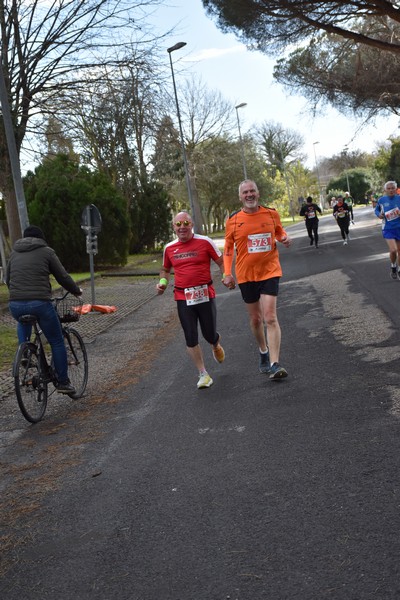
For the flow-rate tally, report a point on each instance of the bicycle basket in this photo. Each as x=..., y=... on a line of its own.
x=69, y=309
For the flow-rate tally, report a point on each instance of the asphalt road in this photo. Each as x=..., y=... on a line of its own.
x=250, y=490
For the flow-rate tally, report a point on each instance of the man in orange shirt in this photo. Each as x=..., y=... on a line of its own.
x=253, y=231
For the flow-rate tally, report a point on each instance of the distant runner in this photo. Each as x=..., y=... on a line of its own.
x=309, y=211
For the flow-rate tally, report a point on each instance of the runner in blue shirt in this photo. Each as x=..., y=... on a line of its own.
x=388, y=209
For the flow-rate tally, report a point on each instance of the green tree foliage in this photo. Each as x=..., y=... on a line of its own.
x=57, y=194
x=387, y=162
x=359, y=184
x=347, y=53
x=355, y=79
x=152, y=215
x=272, y=25
x=48, y=47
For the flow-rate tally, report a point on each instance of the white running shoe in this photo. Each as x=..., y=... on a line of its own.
x=204, y=381
x=345, y=243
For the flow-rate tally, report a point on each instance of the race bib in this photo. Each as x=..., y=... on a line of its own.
x=392, y=214
x=311, y=214
x=196, y=295
x=259, y=242
x=342, y=214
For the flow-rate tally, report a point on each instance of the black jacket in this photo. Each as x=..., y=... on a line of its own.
x=309, y=211
x=31, y=263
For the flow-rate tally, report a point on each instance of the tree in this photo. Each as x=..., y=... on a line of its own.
x=205, y=116
x=354, y=78
x=359, y=182
x=387, y=162
x=281, y=148
x=152, y=218
x=57, y=194
x=347, y=53
x=48, y=48
x=273, y=25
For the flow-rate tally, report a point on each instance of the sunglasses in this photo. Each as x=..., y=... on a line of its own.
x=184, y=223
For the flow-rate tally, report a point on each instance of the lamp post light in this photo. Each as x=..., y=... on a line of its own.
x=240, y=137
x=317, y=170
x=178, y=46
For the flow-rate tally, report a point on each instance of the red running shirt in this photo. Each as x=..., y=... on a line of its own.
x=191, y=263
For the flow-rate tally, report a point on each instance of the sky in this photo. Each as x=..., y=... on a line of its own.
x=240, y=75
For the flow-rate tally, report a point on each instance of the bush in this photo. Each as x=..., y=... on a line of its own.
x=57, y=194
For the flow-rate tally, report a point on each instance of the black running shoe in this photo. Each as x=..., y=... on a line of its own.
x=277, y=372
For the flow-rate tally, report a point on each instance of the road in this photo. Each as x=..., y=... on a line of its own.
x=249, y=490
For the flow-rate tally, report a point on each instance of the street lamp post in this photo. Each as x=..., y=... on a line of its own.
x=240, y=137
x=347, y=164
x=317, y=170
x=178, y=46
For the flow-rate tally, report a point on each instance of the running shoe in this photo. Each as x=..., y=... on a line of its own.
x=204, y=381
x=393, y=272
x=218, y=353
x=264, y=365
x=345, y=243
x=277, y=372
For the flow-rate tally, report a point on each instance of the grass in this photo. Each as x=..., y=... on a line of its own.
x=8, y=345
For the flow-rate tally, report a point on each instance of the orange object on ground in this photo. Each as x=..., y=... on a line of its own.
x=103, y=308
x=84, y=309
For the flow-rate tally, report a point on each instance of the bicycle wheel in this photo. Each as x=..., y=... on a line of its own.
x=30, y=387
x=77, y=361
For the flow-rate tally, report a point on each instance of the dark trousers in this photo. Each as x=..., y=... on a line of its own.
x=312, y=229
x=344, y=223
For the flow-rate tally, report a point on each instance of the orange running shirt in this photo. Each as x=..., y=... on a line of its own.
x=253, y=236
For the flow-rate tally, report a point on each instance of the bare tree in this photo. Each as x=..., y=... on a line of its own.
x=281, y=149
x=48, y=47
x=280, y=146
x=205, y=117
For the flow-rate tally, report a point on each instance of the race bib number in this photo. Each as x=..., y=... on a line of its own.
x=196, y=295
x=392, y=214
x=311, y=214
x=259, y=242
x=342, y=214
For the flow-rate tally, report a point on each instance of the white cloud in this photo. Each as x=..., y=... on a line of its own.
x=210, y=53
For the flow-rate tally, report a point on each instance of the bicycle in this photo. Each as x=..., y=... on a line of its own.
x=33, y=372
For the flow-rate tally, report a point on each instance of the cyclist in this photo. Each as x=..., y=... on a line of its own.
x=28, y=272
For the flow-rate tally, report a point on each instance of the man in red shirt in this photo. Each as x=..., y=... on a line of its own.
x=253, y=231
x=190, y=255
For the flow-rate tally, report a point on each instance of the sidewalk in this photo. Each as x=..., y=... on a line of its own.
x=126, y=293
